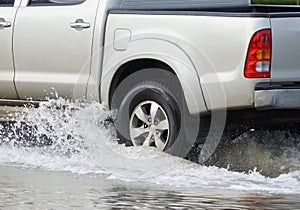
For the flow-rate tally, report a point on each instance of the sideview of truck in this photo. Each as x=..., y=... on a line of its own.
x=163, y=65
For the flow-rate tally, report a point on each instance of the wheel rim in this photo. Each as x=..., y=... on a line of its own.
x=149, y=125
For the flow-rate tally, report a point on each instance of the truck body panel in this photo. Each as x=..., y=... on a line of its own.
x=216, y=47
x=7, y=21
x=50, y=55
x=204, y=42
x=286, y=49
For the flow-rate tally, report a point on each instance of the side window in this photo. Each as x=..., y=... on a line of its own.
x=7, y=3
x=54, y=2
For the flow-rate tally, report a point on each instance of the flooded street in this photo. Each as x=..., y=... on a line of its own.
x=84, y=167
x=39, y=189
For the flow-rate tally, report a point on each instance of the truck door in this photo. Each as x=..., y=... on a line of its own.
x=7, y=15
x=52, y=47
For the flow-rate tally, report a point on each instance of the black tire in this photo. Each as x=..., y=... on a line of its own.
x=163, y=88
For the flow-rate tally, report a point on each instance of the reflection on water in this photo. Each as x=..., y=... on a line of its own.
x=37, y=189
x=195, y=200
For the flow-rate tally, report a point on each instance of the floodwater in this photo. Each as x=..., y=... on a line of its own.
x=84, y=167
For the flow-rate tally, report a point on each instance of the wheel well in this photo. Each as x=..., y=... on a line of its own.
x=133, y=66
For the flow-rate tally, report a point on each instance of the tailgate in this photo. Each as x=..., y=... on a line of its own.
x=285, y=49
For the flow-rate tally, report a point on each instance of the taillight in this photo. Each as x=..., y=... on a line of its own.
x=258, y=61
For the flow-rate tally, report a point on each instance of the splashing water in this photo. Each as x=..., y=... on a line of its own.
x=52, y=136
x=61, y=135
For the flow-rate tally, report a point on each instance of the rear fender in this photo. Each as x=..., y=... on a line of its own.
x=164, y=50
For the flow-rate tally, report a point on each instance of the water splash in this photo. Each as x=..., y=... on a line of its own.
x=61, y=135
x=272, y=152
x=53, y=135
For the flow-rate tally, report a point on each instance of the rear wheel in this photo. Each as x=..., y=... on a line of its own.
x=149, y=125
x=151, y=111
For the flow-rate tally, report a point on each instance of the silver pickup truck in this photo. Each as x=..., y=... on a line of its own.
x=163, y=64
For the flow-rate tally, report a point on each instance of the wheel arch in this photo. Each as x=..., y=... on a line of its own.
x=134, y=66
x=153, y=53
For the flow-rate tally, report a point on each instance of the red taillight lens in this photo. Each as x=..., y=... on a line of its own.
x=258, y=61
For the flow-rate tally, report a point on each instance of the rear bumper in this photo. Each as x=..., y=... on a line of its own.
x=277, y=97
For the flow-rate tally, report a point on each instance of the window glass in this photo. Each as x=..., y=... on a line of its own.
x=6, y=3
x=54, y=2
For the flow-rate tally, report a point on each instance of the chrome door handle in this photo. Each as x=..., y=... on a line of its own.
x=79, y=24
x=4, y=23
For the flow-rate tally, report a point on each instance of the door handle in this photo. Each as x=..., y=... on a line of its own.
x=4, y=24
x=79, y=24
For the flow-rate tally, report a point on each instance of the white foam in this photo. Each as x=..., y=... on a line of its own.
x=93, y=149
